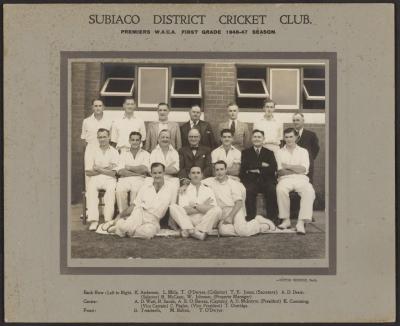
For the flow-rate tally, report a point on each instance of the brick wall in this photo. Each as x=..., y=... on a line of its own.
x=85, y=78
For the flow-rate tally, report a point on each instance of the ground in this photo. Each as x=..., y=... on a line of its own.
x=88, y=244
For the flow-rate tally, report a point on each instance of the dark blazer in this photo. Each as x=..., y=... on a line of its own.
x=207, y=136
x=187, y=160
x=250, y=161
x=309, y=141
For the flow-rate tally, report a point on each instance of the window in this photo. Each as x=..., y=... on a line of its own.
x=152, y=86
x=285, y=87
x=118, y=82
x=186, y=88
x=118, y=87
x=251, y=88
x=314, y=87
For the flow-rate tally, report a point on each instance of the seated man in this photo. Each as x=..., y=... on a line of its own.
x=293, y=163
x=192, y=155
x=101, y=165
x=230, y=199
x=149, y=207
x=228, y=153
x=166, y=154
x=257, y=173
x=132, y=170
x=197, y=212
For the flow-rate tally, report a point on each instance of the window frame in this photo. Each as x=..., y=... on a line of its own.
x=167, y=78
x=286, y=107
x=173, y=95
x=103, y=89
x=253, y=95
x=311, y=97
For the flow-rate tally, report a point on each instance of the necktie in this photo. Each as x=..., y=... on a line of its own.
x=233, y=126
x=258, y=152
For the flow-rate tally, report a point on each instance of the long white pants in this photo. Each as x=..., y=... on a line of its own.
x=140, y=224
x=125, y=185
x=100, y=182
x=239, y=226
x=304, y=188
x=199, y=222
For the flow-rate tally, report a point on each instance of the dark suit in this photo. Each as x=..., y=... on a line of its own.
x=263, y=182
x=201, y=159
x=309, y=141
x=206, y=133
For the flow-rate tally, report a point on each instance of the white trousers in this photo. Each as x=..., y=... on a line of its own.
x=100, y=182
x=140, y=224
x=239, y=226
x=303, y=187
x=125, y=185
x=199, y=222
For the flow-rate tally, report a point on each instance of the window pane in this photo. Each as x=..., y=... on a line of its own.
x=184, y=102
x=315, y=87
x=252, y=72
x=251, y=87
x=186, y=71
x=119, y=85
x=119, y=70
x=314, y=72
x=313, y=105
x=186, y=86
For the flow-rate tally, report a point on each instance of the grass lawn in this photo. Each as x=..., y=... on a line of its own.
x=88, y=244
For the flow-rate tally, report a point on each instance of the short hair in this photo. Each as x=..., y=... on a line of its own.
x=163, y=103
x=103, y=130
x=135, y=133
x=195, y=106
x=97, y=99
x=196, y=166
x=232, y=104
x=129, y=98
x=257, y=130
x=299, y=113
x=223, y=131
x=289, y=130
x=267, y=101
x=221, y=162
x=157, y=164
x=164, y=130
x=194, y=129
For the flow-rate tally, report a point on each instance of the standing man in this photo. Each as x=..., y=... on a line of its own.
x=123, y=127
x=155, y=127
x=132, y=170
x=257, y=173
x=228, y=153
x=240, y=130
x=206, y=133
x=149, y=207
x=194, y=154
x=91, y=125
x=197, y=212
x=231, y=200
x=293, y=164
x=308, y=140
x=101, y=166
x=273, y=130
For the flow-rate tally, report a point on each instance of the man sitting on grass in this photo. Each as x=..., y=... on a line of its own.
x=142, y=219
x=230, y=199
x=197, y=212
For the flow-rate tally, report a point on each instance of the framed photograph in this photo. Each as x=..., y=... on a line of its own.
x=200, y=163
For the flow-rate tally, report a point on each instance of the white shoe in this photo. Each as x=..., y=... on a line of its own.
x=198, y=235
x=264, y=228
x=185, y=233
x=300, y=228
x=263, y=220
x=93, y=226
x=285, y=224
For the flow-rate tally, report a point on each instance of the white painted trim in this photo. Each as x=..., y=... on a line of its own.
x=252, y=95
x=104, y=93
x=174, y=95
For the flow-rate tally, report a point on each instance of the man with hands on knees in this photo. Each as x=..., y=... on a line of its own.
x=101, y=165
x=197, y=212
